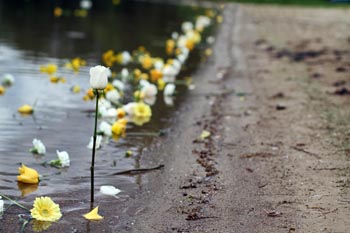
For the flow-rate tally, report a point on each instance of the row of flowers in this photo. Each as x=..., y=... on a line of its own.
x=144, y=84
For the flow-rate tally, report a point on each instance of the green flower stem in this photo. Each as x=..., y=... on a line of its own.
x=92, y=168
x=14, y=202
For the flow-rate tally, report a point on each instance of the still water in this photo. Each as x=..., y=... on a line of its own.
x=29, y=37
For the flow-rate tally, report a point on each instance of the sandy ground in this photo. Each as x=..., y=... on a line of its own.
x=274, y=98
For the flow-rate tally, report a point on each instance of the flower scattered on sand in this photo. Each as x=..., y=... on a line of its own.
x=44, y=209
x=28, y=175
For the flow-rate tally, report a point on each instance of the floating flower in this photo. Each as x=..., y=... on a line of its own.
x=156, y=75
x=169, y=46
x=8, y=80
x=169, y=89
x=38, y=147
x=119, y=127
x=39, y=226
x=109, y=190
x=93, y=215
x=142, y=110
x=26, y=109
x=105, y=128
x=63, y=156
x=85, y=4
x=99, y=77
x=129, y=108
x=148, y=92
x=98, y=142
x=44, y=209
x=109, y=58
x=146, y=62
x=140, y=120
x=55, y=79
x=2, y=205
x=125, y=74
x=107, y=112
x=187, y=26
x=76, y=89
x=57, y=12
x=49, y=69
x=28, y=175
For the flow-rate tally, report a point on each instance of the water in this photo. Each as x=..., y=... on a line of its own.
x=29, y=37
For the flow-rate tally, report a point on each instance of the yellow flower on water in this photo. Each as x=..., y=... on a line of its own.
x=142, y=110
x=26, y=109
x=77, y=63
x=28, y=175
x=137, y=73
x=109, y=58
x=210, y=13
x=2, y=90
x=156, y=75
x=119, y=127
x=120, y=113
x=44, y=209
x=57, y=12
x=76, y=89
x=49, y=69
x=39, y=226
x=93, y=215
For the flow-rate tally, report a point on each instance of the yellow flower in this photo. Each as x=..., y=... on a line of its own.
x=146, y=62
x=219, y=19
x=90, y=93
x=39, y=226
x=142, y=110
x=44, y=209
x=156, y=75
x=2, y=90
x=161, y=84
x=51, y=69
x=28, y=175
x=76, y=63
x=119, y=127
x=208, y=52
x=76, y=89
x=137, y=120
x=109, y=87
x=93, y=215
x=120, y=113
x=26, y=109
x=137, y=73
x=57, y=11
x=170, y=45
x=109, y=58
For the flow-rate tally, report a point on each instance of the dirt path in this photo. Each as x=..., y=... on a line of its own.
x=277, y=159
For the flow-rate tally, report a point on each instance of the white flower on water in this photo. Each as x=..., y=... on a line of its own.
x=1, y=205
x=109, y=190
x=8, y=80
x=118, y=84
x=98, y=142
x=63, y=157
x=210, y=39
x=113, y=96
x=169, y=89
x=105, y=128
x=99, y=77
x=38, y=147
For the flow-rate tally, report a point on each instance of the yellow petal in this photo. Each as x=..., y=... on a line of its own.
x=26, y=109
x=93, y=215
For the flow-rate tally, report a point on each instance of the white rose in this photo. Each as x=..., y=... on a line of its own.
x=63, y=157
x=39, y=147
x=99, y=77
x=169, y=89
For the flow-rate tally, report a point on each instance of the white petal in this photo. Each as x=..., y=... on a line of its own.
x=109, y=190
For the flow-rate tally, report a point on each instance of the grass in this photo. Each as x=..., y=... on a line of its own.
x=309, y=3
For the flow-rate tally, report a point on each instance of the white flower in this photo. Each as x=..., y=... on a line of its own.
x=85, y=4
x=174, y=35
x=63, y=158
x=129, y=108
x=98, y=142
x=210, y=39
x=177, y=66
x=106, y=128
x=149, y=91
x=8, y=80
x=126, y=57
x=125, y=74
x=118, y=84
x=169, y=89
x=169, y=73
x=103, y=103
x=158, y=65
x=38, y=147
x=109, y=190
x=187, y=26
x=1, y=205
x=169, y=100
x=99, y=77
x=202, y=22
x=113, y=96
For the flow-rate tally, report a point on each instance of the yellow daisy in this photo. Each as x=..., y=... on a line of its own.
x=44, y=209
